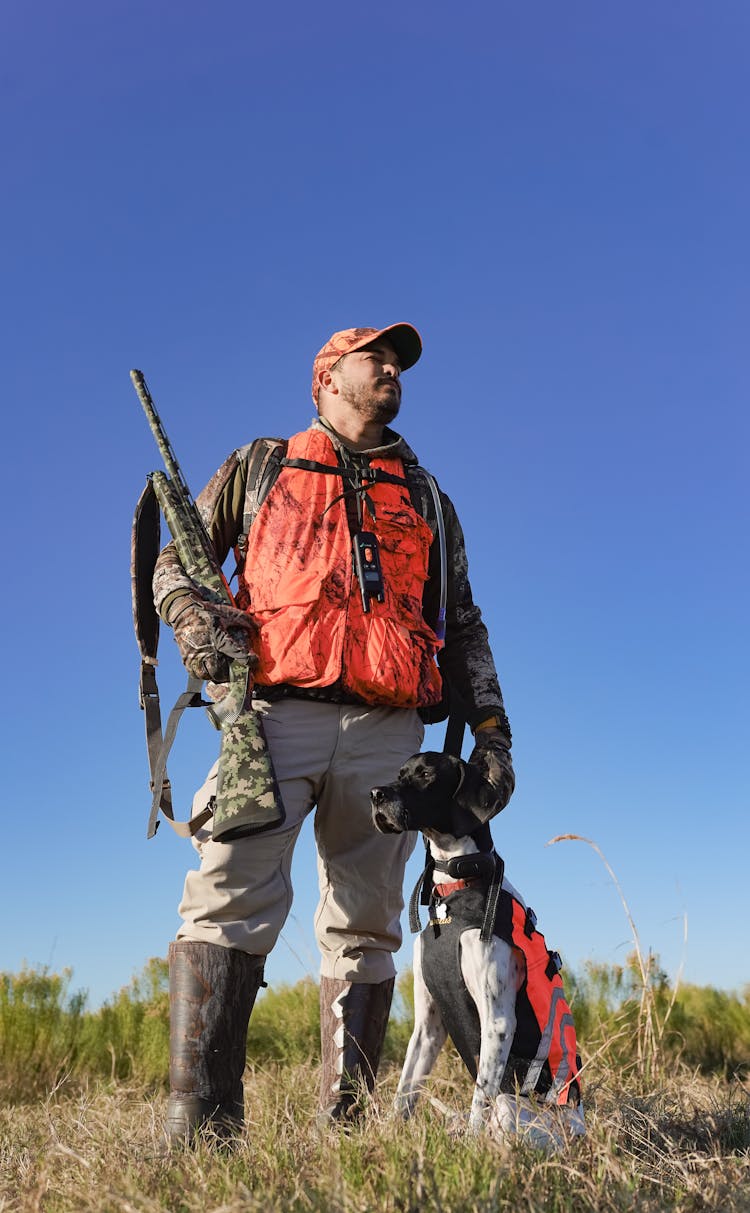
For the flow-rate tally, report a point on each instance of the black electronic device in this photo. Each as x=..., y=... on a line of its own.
x=367, y=564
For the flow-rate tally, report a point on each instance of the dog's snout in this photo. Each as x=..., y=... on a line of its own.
x=387, y=812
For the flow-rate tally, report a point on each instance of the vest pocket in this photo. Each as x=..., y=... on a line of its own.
x=389, y=664
x=296, y=645
x=405, y=544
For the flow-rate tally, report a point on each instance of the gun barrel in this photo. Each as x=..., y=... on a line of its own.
x=160, y=434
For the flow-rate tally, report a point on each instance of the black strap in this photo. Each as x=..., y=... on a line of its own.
x=415, y=925
x=371, y=475
x=454, y=736
x=454, y=730
x=493, y=901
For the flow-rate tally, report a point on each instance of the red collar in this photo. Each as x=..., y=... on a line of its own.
x=443, y=890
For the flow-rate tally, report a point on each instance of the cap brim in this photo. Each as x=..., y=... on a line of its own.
x=405, y=340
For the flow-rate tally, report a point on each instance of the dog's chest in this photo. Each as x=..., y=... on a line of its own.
x=441, y=967
x=442, y=972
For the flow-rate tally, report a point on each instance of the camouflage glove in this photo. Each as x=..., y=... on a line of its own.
x=210, y=636
x=490, y=758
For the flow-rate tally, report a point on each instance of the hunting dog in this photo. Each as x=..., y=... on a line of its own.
x=482, y=973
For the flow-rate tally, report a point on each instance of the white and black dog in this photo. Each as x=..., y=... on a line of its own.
x=482, y=972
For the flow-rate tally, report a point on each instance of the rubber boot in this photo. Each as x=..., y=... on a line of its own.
x=211, y=994
x=353, y=1019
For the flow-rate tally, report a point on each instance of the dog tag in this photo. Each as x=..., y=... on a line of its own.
x=441, y=911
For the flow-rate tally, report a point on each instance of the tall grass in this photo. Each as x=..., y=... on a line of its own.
x=681, y=1147
x=82, y=1103
x=643, y=1023
x=47, y=1037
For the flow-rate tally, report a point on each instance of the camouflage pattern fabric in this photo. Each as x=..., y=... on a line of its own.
x=491, y=757
x=210, y=636
x=247, y=794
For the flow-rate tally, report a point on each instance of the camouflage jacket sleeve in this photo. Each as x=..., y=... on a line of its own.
x=466, y=660
x=221, y=507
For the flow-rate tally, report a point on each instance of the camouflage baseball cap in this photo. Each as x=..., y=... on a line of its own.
x=404, y=338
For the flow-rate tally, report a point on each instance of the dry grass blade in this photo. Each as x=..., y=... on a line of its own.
x=650, y=1028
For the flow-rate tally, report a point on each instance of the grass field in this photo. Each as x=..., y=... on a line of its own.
x=82, y=1101
x=682, y=1145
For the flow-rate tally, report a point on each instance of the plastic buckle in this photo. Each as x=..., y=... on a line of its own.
x=554, y=964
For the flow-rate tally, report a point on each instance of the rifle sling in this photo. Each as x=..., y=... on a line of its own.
x=158, y=752
x=145, y=544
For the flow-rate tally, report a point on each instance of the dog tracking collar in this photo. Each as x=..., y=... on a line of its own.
x=482, y=859
x=480, y=865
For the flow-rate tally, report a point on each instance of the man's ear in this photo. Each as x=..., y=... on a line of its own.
x=476, y=796
x=327, y=383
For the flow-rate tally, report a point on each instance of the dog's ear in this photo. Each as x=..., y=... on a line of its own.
x=477, y=797
x=452, y=771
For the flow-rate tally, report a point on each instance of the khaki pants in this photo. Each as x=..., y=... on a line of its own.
x=327, y=757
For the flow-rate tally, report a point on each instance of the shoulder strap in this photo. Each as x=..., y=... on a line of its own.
x=264, y=458
x=425, y=497
x=421, y=497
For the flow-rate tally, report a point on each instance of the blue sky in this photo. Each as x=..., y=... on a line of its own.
x=557, y=197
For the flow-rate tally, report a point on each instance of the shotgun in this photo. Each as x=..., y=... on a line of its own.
x=247, y=796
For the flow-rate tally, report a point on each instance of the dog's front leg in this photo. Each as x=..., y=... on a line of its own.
x=490, y=972
x=426, y=1041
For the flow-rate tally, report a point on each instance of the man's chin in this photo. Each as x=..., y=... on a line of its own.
x=385, y=411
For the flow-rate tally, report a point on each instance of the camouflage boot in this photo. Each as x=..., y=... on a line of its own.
x=353, y=1019
x=211, y=994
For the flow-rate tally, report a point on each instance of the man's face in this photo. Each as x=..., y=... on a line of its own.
x=368, y=381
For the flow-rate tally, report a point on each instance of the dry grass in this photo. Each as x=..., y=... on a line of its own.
x=681, y=1147
x=659, y=1137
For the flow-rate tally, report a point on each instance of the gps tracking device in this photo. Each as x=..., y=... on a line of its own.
x=367, y=564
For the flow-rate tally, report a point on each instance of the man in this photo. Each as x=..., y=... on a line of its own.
x=339, y=595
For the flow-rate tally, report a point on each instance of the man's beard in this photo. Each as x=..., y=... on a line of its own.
x=371, y=405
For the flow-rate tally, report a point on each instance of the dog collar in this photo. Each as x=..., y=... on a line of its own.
x=444, y=890
x=476, y=863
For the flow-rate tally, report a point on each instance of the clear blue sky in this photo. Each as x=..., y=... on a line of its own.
x=557, y=197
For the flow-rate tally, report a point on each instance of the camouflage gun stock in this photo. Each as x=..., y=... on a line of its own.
x=247, y=796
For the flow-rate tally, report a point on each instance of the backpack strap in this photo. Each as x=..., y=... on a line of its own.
x=425, y=497
x=264, y=460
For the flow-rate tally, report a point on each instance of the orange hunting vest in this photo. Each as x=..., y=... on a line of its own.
x=543, y=1055
x=303, y=592
x=544, y=990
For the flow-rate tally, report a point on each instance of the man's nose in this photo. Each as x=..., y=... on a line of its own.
x=392, y=369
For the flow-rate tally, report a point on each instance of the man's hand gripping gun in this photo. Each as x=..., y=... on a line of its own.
x=247, y=797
